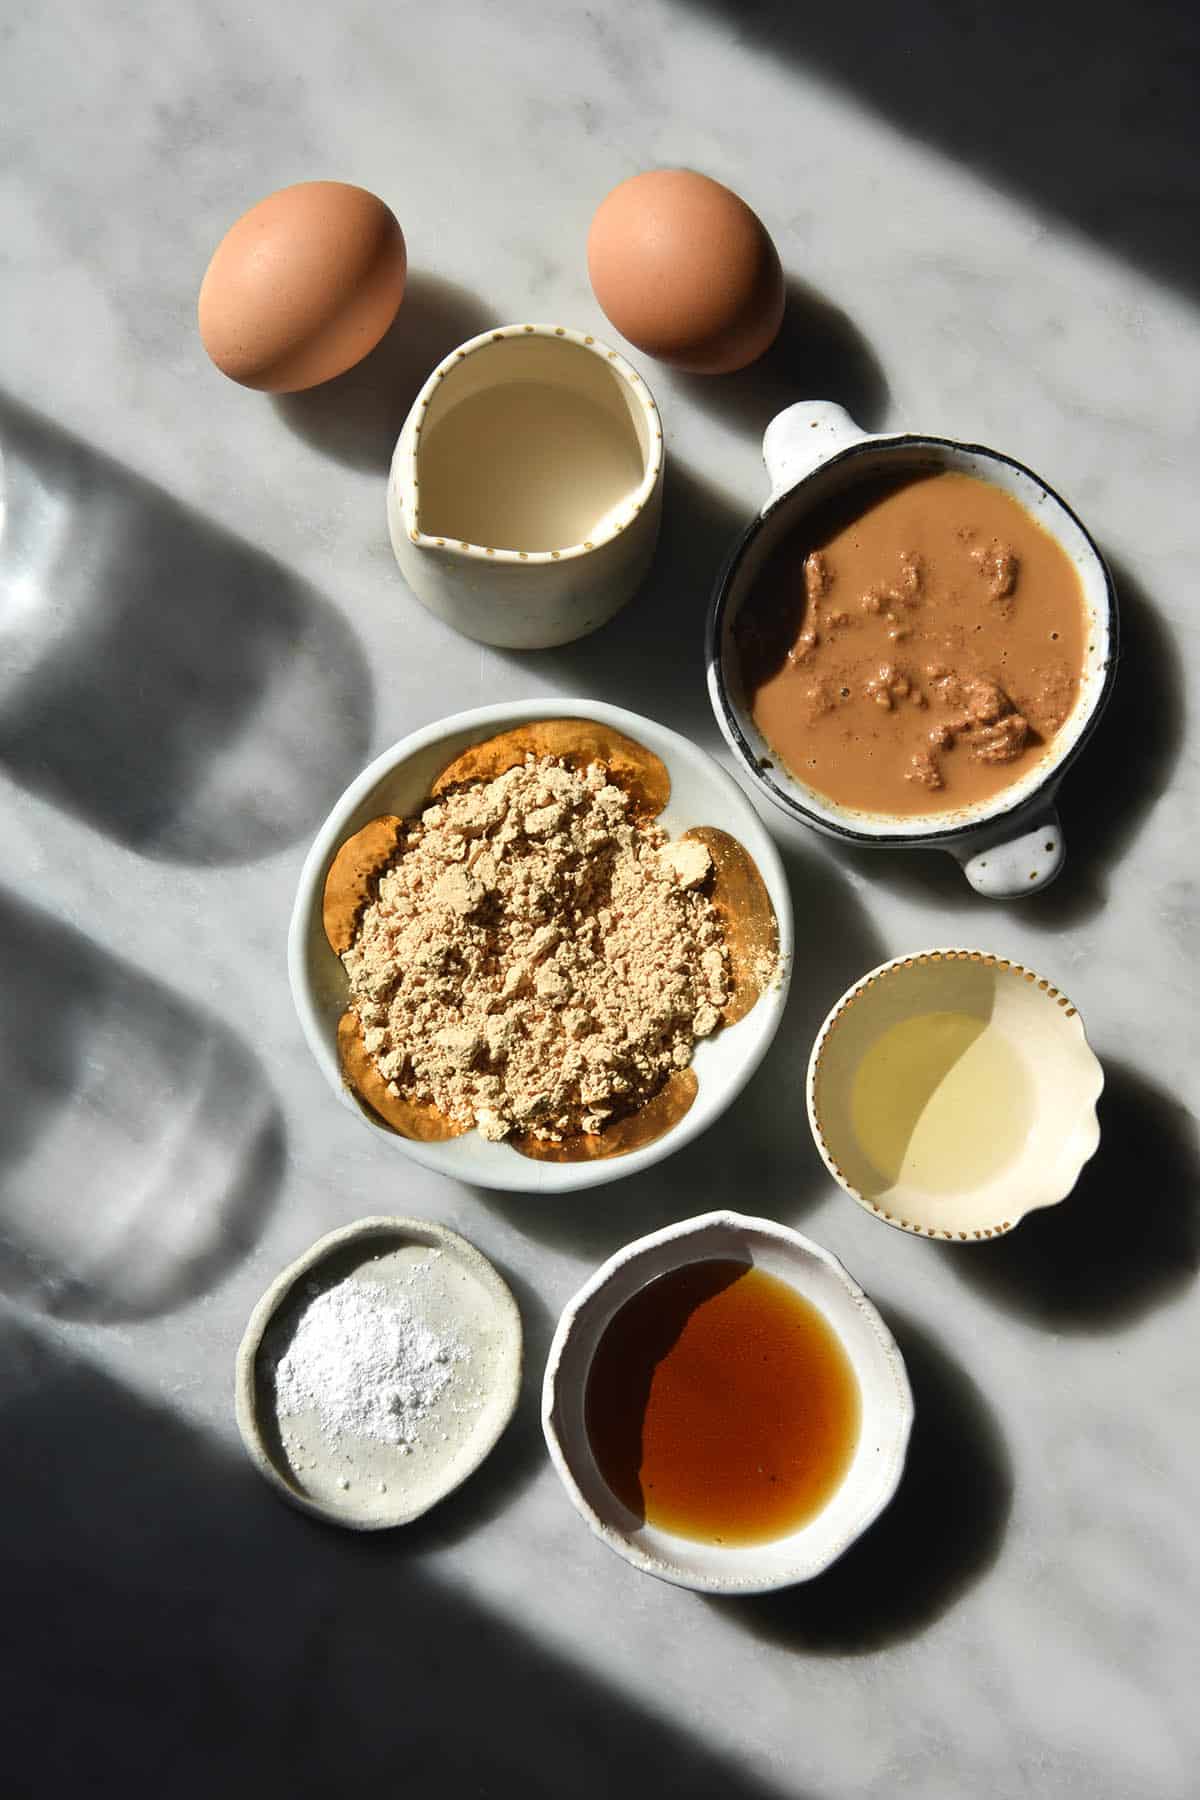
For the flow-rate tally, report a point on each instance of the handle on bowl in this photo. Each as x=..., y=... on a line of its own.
x=802, y=437
x=1004, y=867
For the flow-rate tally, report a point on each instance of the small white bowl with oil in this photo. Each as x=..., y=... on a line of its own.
x=953, y=1091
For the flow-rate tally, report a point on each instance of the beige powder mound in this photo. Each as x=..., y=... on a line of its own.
x=535, y=959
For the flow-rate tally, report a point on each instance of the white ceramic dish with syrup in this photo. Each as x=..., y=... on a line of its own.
x=885, y=1416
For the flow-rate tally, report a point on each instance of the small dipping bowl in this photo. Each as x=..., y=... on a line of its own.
x=454, y=1292
x=952, y=1092
x=877, y=1461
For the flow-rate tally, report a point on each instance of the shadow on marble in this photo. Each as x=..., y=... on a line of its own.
x=1126, y=1240
x=820, y=354
x=1128, y=765
x=1104, y=801
x=518, y=1457
x=650, y=658
x=759, y=1157
x=141, y=1147
x=210, y=1640
x=165, y=681
x=941, y=1533
x=1085, y=111
x=356, y=418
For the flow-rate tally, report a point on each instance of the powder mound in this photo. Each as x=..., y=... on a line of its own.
x=361, y=1359
x=536, y=959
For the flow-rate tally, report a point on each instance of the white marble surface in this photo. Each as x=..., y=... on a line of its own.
x=203, y=635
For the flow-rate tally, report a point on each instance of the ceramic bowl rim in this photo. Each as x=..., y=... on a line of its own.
x=507, y=1385
x=999, y=809
x=609, y=1271
x=637, y=498
x=528, y=1176
x=947, y=953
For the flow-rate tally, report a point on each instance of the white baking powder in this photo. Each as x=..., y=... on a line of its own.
x=364, y=1362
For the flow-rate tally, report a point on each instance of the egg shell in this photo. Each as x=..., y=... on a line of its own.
x=686, y=271
x=302, y=286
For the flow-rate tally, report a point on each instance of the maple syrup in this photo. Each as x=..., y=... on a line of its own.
x=721, y=1406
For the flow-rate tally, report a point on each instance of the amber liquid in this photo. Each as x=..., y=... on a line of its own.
x=720, y=1405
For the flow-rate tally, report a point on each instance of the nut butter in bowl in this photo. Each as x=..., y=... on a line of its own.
x=911, y=645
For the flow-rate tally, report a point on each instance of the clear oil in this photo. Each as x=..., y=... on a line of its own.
x=941, y=1103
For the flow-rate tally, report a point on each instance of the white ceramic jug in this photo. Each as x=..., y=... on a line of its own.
x=526, y=486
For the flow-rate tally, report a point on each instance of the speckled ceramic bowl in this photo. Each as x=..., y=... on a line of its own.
x=1009, y=846
x=886, y=1398
x=1057, y=1081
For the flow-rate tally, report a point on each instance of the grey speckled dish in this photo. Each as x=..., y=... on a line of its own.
x=360, y=1482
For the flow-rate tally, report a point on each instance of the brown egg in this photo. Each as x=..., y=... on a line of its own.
x=686, y=271
x=302, y=286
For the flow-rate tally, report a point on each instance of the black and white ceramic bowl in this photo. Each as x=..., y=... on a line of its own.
x=1008, y=845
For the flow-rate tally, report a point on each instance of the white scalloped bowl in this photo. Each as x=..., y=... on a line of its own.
x=1061, y=1082
x=397, y=782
